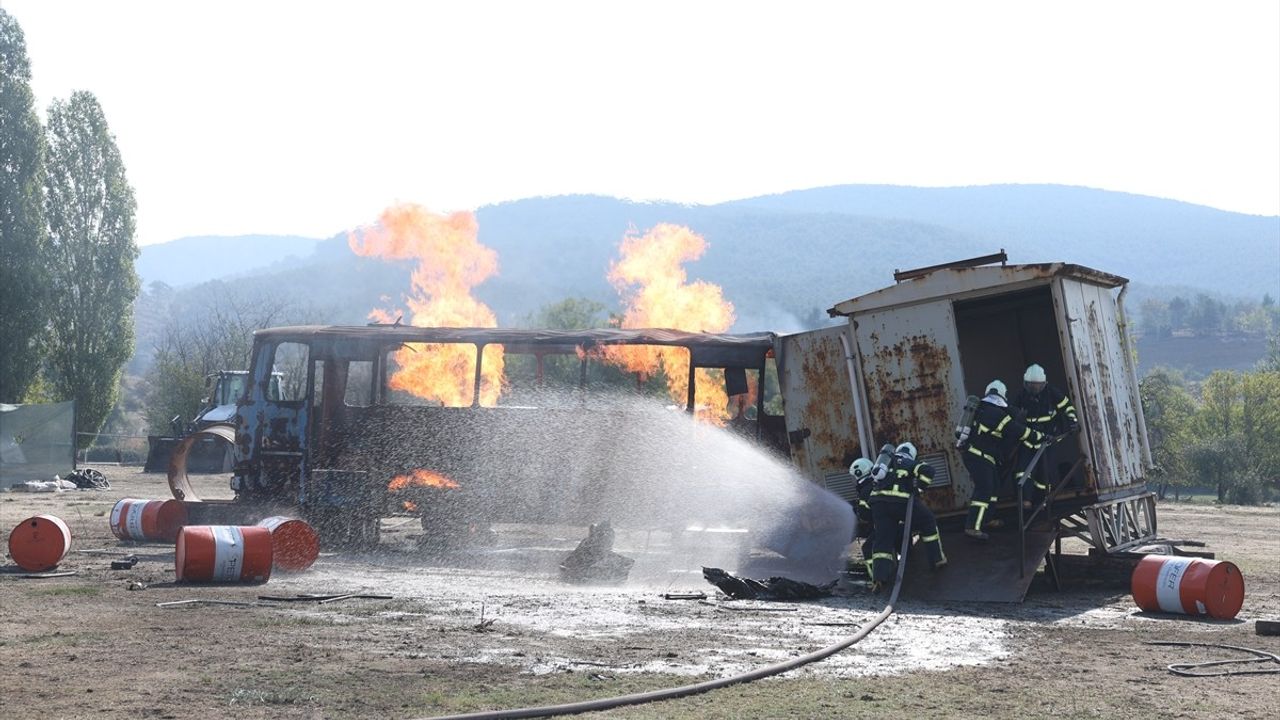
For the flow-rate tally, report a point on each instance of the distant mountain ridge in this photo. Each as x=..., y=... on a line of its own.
x=783, y=259
x=190, y=260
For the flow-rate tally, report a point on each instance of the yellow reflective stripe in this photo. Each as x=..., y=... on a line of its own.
x=982, y=455
x=1003, y=421
x=931, y=538
x=882, y=556
x=994, y=499
x=978, y=503
x=1043, y=418
x=864, y=504
x=982, y=511
x=983, y=428
x=1065, y=402
x=891, y=493
x=1042, y=486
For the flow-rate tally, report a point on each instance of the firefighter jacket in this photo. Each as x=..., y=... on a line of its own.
x=1050, y=411
x=903, y=474
x=995, y=429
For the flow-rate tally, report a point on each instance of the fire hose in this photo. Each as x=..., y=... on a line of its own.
x=706, y=686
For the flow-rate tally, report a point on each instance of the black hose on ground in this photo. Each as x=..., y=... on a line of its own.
x=696, y=688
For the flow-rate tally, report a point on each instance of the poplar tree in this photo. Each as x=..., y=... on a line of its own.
x=90, y=211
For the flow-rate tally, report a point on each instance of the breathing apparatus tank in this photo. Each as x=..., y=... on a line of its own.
x=965, y=429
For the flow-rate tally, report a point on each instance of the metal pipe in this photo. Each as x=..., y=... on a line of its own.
x=864, y=433
x=475, y=392
x=692, y=395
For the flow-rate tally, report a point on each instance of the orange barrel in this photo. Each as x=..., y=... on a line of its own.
x=39, y=543
x=160, y=520
x=294, y=544
x=1193, y=586
x=223, y=554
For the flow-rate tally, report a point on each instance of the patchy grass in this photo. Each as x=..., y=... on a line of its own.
x=84, y=591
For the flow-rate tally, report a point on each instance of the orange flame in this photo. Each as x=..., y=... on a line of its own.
x=451, y=262
x=421, y=478
x=656, y=292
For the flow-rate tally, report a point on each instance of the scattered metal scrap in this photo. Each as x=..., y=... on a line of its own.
x=45, y=575
x=774, y=588
x=324, y=599
x=594, y=559
x=203, y=601
x=684, y=596
x=124, y=563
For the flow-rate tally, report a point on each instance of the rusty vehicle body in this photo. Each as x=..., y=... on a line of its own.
x=901, y=366
x=327, y=443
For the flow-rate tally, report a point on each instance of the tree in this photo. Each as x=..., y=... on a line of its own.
x=220, y=338
x=1155, y=318
x=89, y=207
x=1179, y=309
x=1170, y=412
x=23, y=240
x=1207, y=315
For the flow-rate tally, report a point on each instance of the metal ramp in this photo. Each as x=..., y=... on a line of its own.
x=976, y=571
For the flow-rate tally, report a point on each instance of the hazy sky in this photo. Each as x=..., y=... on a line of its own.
x=310, y=117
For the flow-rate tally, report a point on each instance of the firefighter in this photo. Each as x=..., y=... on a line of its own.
x=898, y=475
x=1049, y=411
x=861, y=472
x=994, y=428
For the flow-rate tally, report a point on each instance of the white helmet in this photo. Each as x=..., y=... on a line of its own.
x=860, y=468
x=907, y=449
x=1034, y=374
x=997, y=387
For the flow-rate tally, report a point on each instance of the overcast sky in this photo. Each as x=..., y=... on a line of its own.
x=308, y=118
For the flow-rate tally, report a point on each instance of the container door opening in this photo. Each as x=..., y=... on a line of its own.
x=999, y=336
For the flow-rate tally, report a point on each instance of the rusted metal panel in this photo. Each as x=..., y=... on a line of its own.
x=821, y=419
x=913, y=381
x=1105, y=394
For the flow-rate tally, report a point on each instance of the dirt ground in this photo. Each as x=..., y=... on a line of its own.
x=461, y=636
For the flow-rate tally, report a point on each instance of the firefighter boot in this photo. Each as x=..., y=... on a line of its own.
x=973, y=524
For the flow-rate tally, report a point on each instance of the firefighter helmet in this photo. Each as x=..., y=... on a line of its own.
x=860, y=468
x=1034, y=374
x=907, y=449
x=997, y=387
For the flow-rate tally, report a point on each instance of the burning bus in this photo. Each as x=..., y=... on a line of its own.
x=508, y=425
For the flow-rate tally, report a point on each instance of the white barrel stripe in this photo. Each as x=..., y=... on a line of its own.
x=133, y=522
x=273, y=522
x=115, y=518
x=1169, y=584
x=228, y=553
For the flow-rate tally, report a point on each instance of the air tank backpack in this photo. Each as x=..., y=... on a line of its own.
x=964, y=431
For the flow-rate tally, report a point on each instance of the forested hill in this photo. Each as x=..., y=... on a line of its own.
x=784, y=259
x=1151, y=240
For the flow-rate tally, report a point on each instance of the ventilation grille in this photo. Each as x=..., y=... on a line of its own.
x=941, y=469
x=842, y=484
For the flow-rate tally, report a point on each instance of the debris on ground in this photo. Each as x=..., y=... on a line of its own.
x=203, y=601
x=684, y=596
x=46, y=575
x=89, y=479
x=774, y=588
x=594, y=560
x=57, y=484
x=324, y=599
x=124, y=563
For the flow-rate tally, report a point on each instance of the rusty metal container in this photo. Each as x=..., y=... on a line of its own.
x=901, y=368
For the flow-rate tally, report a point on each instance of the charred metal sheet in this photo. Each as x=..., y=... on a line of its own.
x=913, y=383
x=821, y=420
x=179, y=482
x=977, y=572
x=1000, y=257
